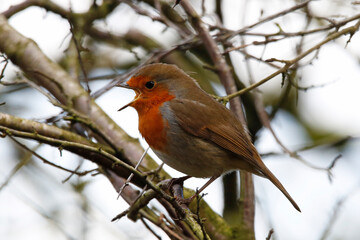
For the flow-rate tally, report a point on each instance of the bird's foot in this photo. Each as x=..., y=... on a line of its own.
x=184, y=202
x=177, y=181
x=175, y=186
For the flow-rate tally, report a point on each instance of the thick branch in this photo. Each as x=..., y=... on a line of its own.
x=63, y=139
x=68, y=91
x=70, y=94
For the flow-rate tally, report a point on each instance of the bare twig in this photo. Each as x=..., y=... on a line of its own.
x=6, y=60
x=79, y=49
x=270, y=234
x=271, y=17
x=142, y=11
x=218, y=60
x=331, y=166
x=132, y=175
x=149, y=228
x=48, y=5
x=41, y=211
x=289, y=63
x=248, y=55
x=254, y=43
x=184, y=33
x=336, y=211
x=81, y=173
x=47, y=161
x=114, y=82
x=199, y=219
x=26, y=159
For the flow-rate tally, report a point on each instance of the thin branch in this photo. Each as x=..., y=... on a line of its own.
x=270, y=234
x=183, y=32
x=26, y=159
x=76, y=172
x=40, y=210
x=271, y=17
x=47, y=161
x=149, y=228
x=218, y=60
x=48, y=5
x=335, y=25
x=132, y=175
x=143, y=12
x=336, y=211
x=331, y=166
x=6, y=60
x=199, y=219
x=254, y=43
x=78, y=51
x=328, y=144
x=248, y=55
x=289, y=63
x=303, y=88
x=115, y=81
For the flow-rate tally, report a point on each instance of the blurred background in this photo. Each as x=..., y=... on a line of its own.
x=317, y=116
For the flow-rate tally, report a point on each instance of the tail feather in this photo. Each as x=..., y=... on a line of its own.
x=278, y=184
x=269, y=175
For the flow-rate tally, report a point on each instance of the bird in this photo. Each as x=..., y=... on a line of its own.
x=189, y=130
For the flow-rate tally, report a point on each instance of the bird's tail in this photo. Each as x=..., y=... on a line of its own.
x=265, y=172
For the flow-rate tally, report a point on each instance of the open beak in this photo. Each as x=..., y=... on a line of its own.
x=127, y=105
x=125, y=85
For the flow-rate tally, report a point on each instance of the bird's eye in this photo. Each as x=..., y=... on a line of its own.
x=149, y=84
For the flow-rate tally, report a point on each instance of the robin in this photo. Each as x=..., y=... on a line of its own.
x=189, y=130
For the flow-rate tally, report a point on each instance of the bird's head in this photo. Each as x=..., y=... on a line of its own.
x=157, y=83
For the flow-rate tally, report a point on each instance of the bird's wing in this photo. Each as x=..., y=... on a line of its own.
x=216, y=124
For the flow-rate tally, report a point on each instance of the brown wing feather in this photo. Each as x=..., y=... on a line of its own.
x=198, y=119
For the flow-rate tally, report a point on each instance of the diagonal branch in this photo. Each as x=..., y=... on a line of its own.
x=227, y=80
x=68, y=91
x=271, y=17
x=218, y=60
x=289, y=63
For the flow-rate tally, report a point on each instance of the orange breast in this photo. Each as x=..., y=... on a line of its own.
x=152, y=126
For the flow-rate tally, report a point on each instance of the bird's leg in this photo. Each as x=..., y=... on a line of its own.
x=176, y=186
x=180, y=180
x=213, y=178
x=173, y=185
x=186, y=201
